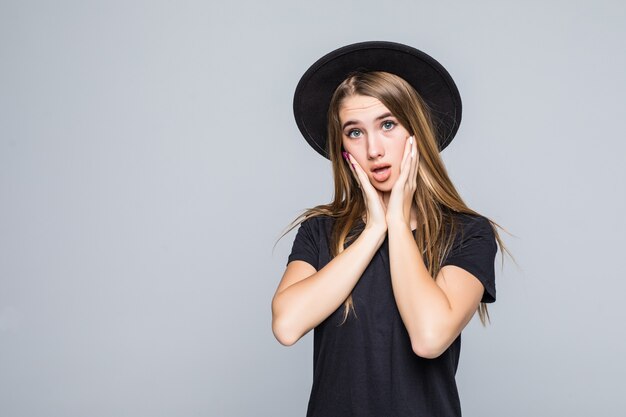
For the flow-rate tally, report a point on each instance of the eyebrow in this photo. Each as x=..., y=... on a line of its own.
x=354, y=122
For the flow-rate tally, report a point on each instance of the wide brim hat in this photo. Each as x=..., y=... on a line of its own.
x=427, y=76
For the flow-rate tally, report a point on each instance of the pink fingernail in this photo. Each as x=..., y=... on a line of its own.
x=348, y=155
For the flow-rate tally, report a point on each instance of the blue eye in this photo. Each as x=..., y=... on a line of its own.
x=351, y=133
x=388, y=125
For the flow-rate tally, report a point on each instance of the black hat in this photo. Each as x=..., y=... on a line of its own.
x=427, y=76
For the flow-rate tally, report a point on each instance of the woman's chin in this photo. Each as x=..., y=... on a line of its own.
x=384, y=187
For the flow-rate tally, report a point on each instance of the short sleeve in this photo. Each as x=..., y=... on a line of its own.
x=305, y=245
x=475, y=251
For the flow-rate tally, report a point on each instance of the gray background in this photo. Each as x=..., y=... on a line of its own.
x=149, y=160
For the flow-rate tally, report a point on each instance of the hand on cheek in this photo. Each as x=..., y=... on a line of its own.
x=373, y=198
x=403, y=191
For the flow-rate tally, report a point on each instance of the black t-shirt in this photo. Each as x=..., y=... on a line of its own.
x=366, y=367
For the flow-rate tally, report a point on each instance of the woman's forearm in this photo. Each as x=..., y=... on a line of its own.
x=303, y=305
x=422, y=304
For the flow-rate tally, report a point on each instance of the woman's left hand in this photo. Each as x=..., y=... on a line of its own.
x=401, y=198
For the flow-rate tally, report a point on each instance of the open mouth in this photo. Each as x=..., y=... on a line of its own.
x=382, y=173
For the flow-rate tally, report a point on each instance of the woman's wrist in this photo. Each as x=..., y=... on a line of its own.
x=378, y=232
x=398, y=225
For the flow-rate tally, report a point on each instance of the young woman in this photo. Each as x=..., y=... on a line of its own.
x=391, y=271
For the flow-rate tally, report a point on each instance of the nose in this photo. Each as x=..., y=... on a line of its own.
x=375, y=147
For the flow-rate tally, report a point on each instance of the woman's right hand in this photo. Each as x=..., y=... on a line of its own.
x=373, y=198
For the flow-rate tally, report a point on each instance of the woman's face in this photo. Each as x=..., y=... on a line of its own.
x=374, y=137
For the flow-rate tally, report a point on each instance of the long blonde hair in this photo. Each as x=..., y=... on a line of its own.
x=436, y=197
